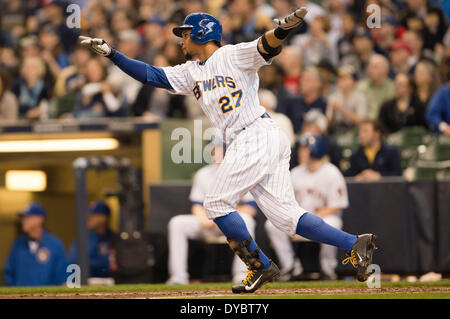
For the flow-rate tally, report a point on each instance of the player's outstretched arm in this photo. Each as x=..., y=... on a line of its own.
x=270, y=43
x=143, y=72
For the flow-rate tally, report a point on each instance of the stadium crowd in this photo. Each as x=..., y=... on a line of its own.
x=395, y=73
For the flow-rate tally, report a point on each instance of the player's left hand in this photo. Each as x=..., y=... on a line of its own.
x=293, y=20
x=99, y=46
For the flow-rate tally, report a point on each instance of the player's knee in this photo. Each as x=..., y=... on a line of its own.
x=176, y=223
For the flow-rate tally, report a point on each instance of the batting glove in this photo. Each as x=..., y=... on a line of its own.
x=99, y=46
x=293, y=20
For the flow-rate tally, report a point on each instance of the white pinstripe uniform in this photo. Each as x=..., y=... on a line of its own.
x=313, y=190
x=187, y=226
x=258, y=153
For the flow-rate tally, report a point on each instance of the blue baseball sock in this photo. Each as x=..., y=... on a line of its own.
x=313, y=227
x=233, y=227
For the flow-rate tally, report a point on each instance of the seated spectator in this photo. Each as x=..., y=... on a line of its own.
x=52, y=50
x=438, y=112
x=374, y=158
x=346, y=106
x=31, y=89
x=377, y=88
x=400, y=58
x=9, y=108
x=311, y=98
x=315, y=122
x=290, y=60
x=328, y=74
x=72, y=78
x=404, y=109
x=426, y=80
x=268, y=100
x=37, y=258
x=197, y=225
x=415, y=41
x=129, y=44
x=386, y=34
x=99, y=98
x=316, y=44
x=99, y=242
x=363, y=49
x=345, y=42
x=271, y=77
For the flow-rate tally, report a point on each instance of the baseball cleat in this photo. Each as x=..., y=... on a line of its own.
x=256, y=278
x=360, y=256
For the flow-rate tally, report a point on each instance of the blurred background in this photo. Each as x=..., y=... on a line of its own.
x=75, y=129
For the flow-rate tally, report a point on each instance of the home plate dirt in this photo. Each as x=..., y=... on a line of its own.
x=268, y=292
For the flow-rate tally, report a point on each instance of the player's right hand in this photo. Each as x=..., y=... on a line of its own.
x=293, y=20
x=97, y=45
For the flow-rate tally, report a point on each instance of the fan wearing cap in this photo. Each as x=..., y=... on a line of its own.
x=37, y=258
x=400, y=58
x=320, y=187
x=99, y=242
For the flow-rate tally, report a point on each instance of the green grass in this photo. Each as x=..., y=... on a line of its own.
x=211, y=287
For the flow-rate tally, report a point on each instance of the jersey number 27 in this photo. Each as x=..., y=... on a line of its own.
x=225, y=101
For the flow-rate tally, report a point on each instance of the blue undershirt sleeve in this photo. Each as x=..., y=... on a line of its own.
x=143, y=72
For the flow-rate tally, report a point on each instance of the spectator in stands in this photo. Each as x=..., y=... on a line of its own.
x=99, y=98
x=438, y=112
x=271, y=77
x=345, y=42
x=346, y=106
x=400, y=58
x=386, y=34
x=155, y=37
x=269, y=101
x=37, y=258
x=315, y=122
x=374, y=158
x=290, y=60
x=426, y=80
x=250, y=22
x=9, y=108
x=429, y=20
x=129, y=43
x=377, y=88
x=315, y=44
x=197, y=226
x=311, y=98
x=52, y=50
x=99, y=241
x=328, y=74
x=404, y=109
x=415, y=41
x=31, y=89
x=363, y=48
x=121, y=20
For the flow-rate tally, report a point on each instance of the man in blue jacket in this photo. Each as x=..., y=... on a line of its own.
x=99, y=242
x=37, y=258
x=438, y=112
x=374, y=158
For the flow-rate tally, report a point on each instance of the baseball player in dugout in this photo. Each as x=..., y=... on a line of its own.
x=320, y=188
x=198, y=226
x=225, y=82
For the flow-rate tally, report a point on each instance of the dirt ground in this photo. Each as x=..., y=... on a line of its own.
x=264, y=292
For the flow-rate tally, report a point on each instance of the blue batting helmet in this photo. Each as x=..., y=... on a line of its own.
x=316, y=145
x=204, y=28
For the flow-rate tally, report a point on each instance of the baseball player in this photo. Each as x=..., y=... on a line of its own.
x=198, y=226
x=225, y=82
x=320, y=188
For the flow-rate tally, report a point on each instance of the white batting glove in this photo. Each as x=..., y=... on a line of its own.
x=293, y=20
x=99, y=46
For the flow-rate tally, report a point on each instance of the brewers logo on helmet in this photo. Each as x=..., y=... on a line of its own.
x=204, y=28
